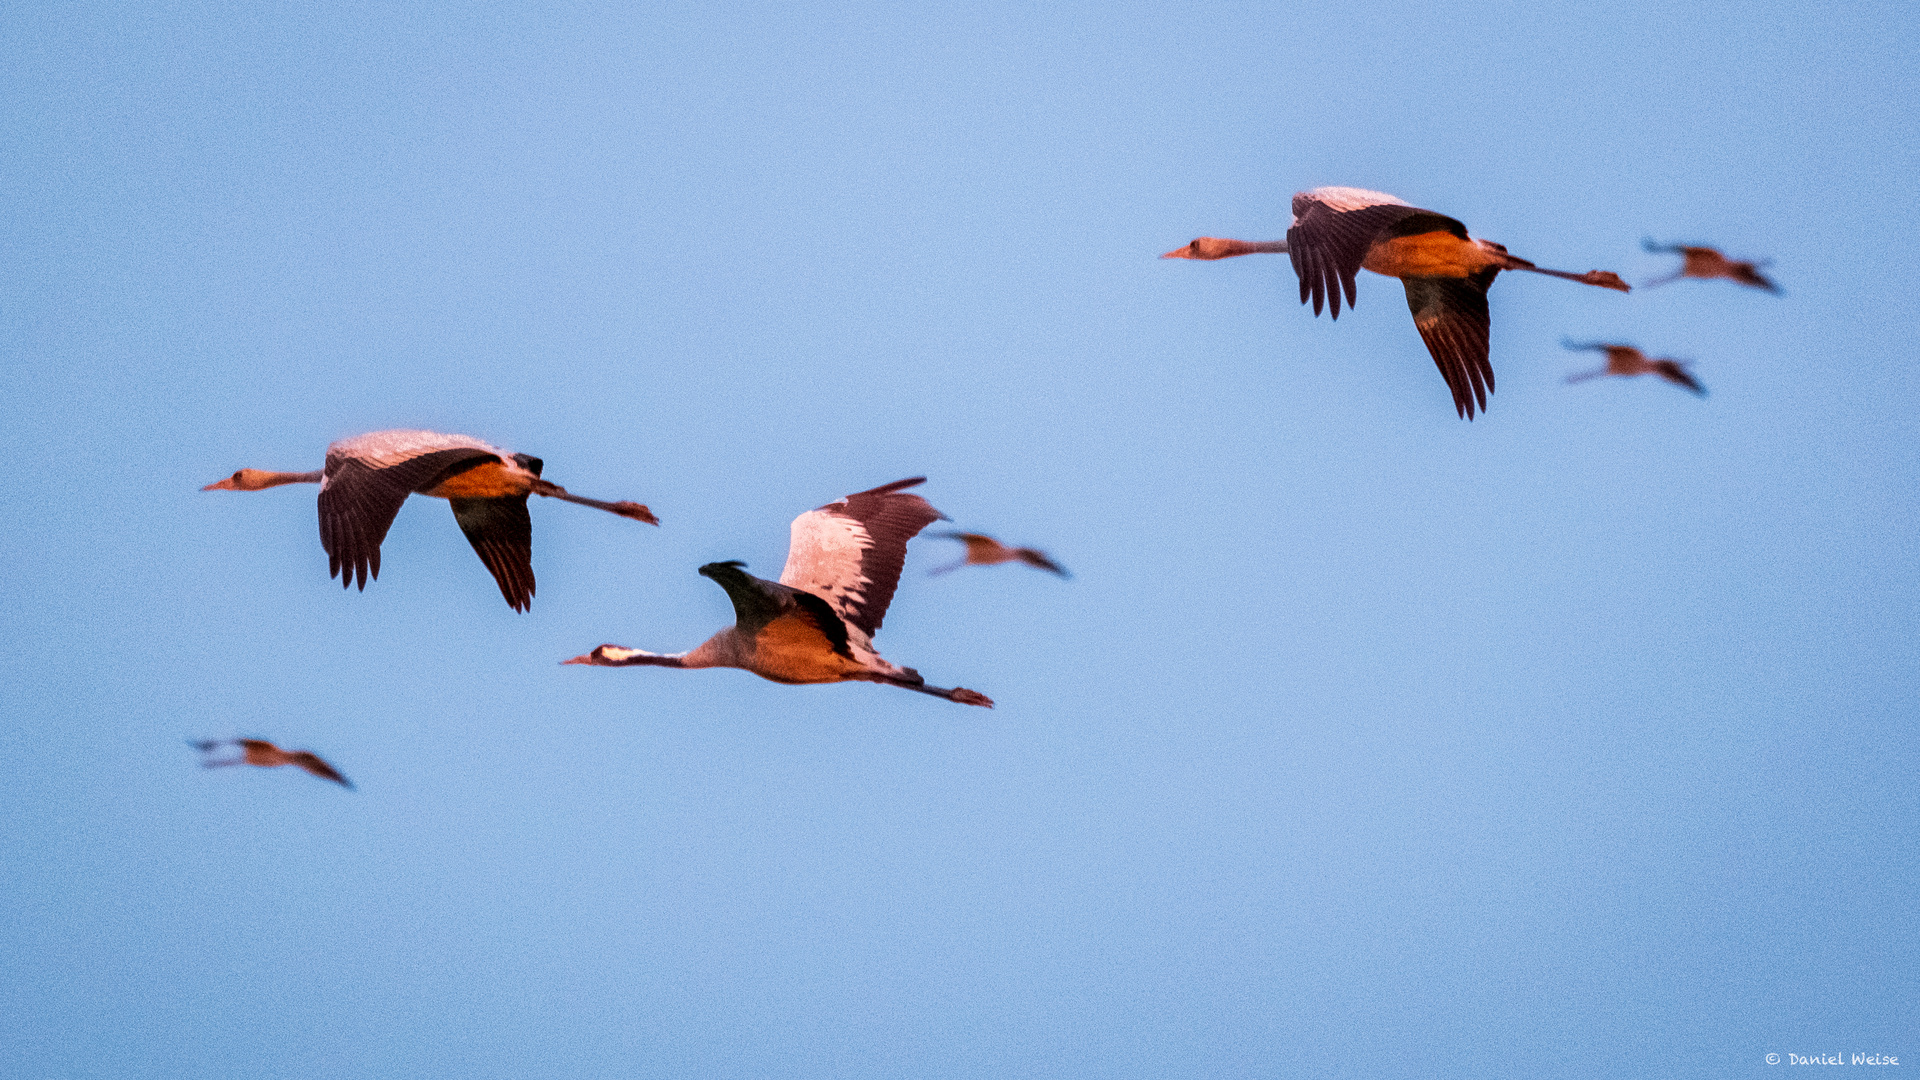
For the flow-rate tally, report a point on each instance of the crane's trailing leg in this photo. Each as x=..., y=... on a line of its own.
x=624, y=508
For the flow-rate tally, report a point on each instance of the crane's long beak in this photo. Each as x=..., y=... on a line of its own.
x=221, y=485
x=1183, y=252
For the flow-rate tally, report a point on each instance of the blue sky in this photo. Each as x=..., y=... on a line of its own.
x=1578, y=740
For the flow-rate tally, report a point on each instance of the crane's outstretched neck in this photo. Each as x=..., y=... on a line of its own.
x=261, y=479
x=625, y=509
x=1213, y=247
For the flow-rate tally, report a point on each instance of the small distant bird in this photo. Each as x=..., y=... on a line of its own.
x=983, y=550
x=367, y=478
x=1706, y=262
x=816, y=624
x=262, y=752
x=1629, y=361
x=1339, y=231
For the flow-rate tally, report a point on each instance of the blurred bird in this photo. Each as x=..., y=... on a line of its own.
x=367, y=478
x=1706, y=262
x=983, y=550
x=1339, y=231
x=1628, y=361
x=816, y=624
x=264, y=753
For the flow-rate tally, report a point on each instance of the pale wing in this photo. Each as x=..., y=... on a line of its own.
x=850, y=553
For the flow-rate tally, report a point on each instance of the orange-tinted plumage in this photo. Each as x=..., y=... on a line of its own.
x=984, y=550
x=1339, y=231
x=266, y=755
x=1627, y=361
x=1707, y=263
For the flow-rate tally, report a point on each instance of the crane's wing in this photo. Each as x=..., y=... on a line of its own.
x=1040, y=559
x=761, y=606
x=1746, y=274
x=1332, y=230
x=502, y=535
x=849, y=553
x=312, y=763
x=359, y=498
x=1673, y=372
x=1451, y=315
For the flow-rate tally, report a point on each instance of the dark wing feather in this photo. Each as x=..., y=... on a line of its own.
x=358, y=503
x=1671, y=371
x=312, y=763
x=502, y=535
x=1451, y=315
x=1039, y=558
x=757, y=602
x=850, y=553
x=1745, y=274
x=1328, y=246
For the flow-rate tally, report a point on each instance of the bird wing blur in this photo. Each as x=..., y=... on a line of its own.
x=311, y=762
x=1671, y=371
x=368, y=478
x=850, y=553
x=1039, y=558
x=1451, y=315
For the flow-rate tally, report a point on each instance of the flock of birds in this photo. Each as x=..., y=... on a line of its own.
x=816, y=623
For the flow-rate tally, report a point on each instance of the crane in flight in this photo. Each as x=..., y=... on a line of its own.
x=263, y=753
x=984, y=550
x=1706, y=262
x=367, y=477
x=816, y=624
x=1339, y=231
x=1625, y=360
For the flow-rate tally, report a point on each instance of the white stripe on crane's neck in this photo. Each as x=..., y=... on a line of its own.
x=1352, y=198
